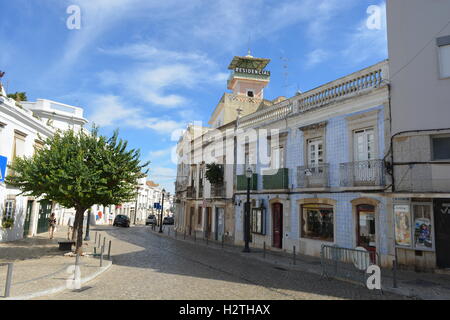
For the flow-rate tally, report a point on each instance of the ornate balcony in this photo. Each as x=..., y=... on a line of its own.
x=276, y=179
x=191, y=192
x=218, y=190
x=241, y=182
x=362, y=173
x=313, y=177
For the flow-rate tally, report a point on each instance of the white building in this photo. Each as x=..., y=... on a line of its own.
x=23, y=127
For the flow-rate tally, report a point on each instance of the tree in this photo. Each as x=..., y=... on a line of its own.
x=78, y=170
x=18, y=96
x=214, y=173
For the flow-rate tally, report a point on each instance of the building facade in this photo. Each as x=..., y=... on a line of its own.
x=420, y=141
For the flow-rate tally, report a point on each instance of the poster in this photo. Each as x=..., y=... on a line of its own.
x=422, y=232
x=402, y=225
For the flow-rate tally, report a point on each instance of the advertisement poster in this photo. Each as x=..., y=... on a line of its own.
x=422, y=232
x=402, y=225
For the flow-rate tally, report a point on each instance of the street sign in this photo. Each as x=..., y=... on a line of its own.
x=3, y=162
x=157, y=205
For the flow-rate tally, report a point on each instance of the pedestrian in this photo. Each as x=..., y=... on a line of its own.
x=51, y=225
x=70, y=223
x=110, y=218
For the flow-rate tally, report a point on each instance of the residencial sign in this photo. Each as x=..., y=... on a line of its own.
x=3, y=162
x=252, y=71
x=157, y=205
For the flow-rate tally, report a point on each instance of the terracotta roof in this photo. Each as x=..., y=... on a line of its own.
x=152, y=184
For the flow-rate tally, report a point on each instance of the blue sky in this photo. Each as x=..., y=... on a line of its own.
x=150, y=67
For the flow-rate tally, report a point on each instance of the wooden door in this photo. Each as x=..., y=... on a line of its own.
x=277, y=225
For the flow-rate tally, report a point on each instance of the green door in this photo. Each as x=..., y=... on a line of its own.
x=45, y=208
x=26, y=224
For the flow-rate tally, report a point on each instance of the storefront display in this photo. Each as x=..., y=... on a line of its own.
x=402, y=225
x=318, y=222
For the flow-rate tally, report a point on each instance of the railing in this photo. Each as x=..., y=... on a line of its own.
x=241, y=182
x=272, y=113
x=340, y=89
x=362, y=173
x=313, y=177
x=276, y=179
x=191, y=192
x=347, y=263
x=358, y=82
x=231, y=97
x=218, y=190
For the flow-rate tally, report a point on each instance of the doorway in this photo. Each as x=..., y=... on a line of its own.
x=191, y=219
x=442, y=223
x=27, y=222
x=366, y=230
x=219, y=225
x=277, y=225
x=208, y=222
x=45, y=208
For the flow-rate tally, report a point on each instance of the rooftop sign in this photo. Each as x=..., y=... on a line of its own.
x=252, y=71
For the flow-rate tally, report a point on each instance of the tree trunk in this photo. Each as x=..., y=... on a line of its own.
x=75, y=226
x=79, y=217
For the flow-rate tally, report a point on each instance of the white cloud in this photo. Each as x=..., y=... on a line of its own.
x=110, y=110
x=316, y=57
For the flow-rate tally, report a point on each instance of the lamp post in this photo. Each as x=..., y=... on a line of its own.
x=136, y=205
x=162, y=210
x=249, y=175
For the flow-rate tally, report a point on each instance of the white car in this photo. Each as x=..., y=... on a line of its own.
x=151, y=219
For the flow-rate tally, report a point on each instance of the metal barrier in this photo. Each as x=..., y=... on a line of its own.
x=346, y=263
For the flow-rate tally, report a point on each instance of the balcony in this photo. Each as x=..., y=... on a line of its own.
x=362, y=174
x=191, y=192
x=275, y=179
x=218, y=190
x=313, y=177
x=241, y=183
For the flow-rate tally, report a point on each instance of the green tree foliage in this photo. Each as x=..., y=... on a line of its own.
x=18, y=96
x=78, y=170
x=214, y=173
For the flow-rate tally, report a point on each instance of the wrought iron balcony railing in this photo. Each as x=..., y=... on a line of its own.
x=362, y=173
x=313, y=176
x=191, y=192
x=218, y=190
x=276, y=179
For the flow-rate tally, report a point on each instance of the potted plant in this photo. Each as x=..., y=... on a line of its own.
x=214, y=173
x=8, y=223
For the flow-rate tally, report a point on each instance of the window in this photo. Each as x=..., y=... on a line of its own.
x=9, y=209
x=250, y=94
x=257, y=221
x=422, y=226
x=317, y=222
x=364, y=147
x=441, y=148
x=443, y=44
x=277, y=157
x=315, y=152
x=414, y=225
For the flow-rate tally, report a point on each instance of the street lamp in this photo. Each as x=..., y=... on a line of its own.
x=249, y=175
x=136, y=205
x=162, y=210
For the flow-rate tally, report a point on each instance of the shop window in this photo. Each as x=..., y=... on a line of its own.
x=441, y=148
x=317, y=222
x=414, y=225
x=257, y=221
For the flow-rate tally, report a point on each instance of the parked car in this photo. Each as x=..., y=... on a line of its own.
x=151, y=219
x=168, y=220
x=121, y=221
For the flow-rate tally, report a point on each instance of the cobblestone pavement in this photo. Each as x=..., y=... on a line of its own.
x=148, y=266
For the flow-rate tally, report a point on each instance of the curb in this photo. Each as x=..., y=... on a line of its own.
x=60, y=288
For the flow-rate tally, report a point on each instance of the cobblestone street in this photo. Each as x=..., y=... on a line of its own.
x=149, y=266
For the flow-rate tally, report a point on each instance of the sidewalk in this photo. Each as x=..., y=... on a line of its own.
x=40, y=268
x=426, y=286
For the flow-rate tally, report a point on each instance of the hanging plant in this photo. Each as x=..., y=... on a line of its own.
x=8, y=223
x=214, y=173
